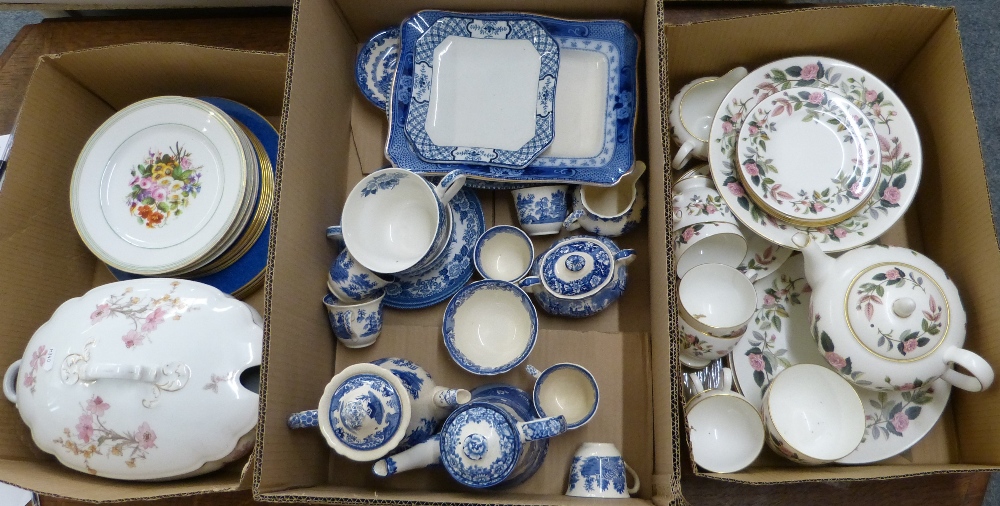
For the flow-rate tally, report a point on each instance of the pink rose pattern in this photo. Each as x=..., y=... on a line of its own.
x=891, y=415
x=38, y=358
x=765, y=357
x=145, y=313
x=693, y=345
x=91, y=436
x=895, y=160
x=870, y=295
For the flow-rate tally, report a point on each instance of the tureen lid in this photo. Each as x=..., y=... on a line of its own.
x=368, y=411
x=140, y=379
x=480, y=444
x=897, y=311
x=576, y=267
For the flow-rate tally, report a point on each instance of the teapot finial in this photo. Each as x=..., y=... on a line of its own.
x=475, y=446
x=904, y=307
x=818, y=265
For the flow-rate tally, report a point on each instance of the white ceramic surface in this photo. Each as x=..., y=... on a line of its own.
x=716, y=299
x=503, y=252
x=726, y=431
x=393, y=220
x=692, y=111
x=565, y=389
x=763, y=257
x=109, y=383
x=581, y=104
x=355, y=324
x=708, y=243
x=808, y=156
x=490, y=327
x=698, y=349
x=609, y=211
x=541, y=209
x=695, y=200
x=598, y=471
x=812, y=415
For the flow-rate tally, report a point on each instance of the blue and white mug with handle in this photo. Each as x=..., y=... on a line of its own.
x=598, y=470
x=541, y=209
x=356, y=324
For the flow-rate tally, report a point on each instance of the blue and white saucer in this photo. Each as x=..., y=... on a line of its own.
x=452, y=269
x=376, y=66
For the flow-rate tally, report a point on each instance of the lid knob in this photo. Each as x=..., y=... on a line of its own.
x=353, y=414
x=575, y=262
x=904, y=307
x=474, y=446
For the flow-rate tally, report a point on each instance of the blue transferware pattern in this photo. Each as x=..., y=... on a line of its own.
x=376, y=66
x=381, y=182
x=598, y=474
x=584, y=292
x=448, y=326
x=452, y=269
x=482, y=26
x=304, y=419
x=487, y=443
x=613, y=226
x=350, y=280
x=429, y=404
x=621, y=116
x=493, y=232
x=541, y=376
x=535, y=209
x=365, y=412
x=355, y=325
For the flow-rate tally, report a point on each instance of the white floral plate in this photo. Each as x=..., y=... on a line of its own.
x=779, y=337
x=899, y=146
x=763, y=257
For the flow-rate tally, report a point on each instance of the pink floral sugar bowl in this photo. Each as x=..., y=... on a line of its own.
x=149, y=379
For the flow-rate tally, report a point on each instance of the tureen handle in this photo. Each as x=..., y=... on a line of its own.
x=982, y=373
x=530, y=284
x=572, y=222
x=143, y=373
x=10, y=381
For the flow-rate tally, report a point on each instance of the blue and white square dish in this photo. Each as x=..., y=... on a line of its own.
x=613, y=39
x=492, y=103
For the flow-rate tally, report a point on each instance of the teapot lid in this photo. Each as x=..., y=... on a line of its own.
x=897, y=311
x=480, y=444
x=576, y=267
x=368, y=416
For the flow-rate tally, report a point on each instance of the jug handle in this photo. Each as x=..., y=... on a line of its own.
x=542, y=428
x=982, y=373
x=572, y=222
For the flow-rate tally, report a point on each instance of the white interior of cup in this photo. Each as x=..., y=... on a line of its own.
x=726, y=248
x=505, y=254
x=567, y=390
x=608, y=201
x=717, y=296
x=493, y=329
x=389, y=228
x=816, y=412
x=727, y=433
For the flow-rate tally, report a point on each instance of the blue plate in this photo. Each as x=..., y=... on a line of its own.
x=376, y=65
x=612, y=38
x=239, y=278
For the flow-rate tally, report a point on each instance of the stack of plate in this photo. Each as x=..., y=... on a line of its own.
x=179, y=187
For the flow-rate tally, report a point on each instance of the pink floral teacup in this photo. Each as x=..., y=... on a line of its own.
x=699, y=349
x=725, y=430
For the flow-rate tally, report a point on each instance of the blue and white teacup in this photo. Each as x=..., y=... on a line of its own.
x=350, y=281
x=541, y=209
x=356, y=324
x=598, y=470
x=565, y=389
x=503, y=252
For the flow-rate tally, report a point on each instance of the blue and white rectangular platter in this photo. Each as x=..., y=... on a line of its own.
x=613, y=38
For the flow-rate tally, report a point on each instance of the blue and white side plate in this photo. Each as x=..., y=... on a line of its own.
x=452, y=269
x=376, y=66
x=480, y=94
x=610, y=39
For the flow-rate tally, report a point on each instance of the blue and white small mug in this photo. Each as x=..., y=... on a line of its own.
x=541, y=209
x=356, y=324
x=565, y=389
x=598, y=470
x=348, y=280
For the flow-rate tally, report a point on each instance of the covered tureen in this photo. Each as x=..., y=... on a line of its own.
x=142, y=380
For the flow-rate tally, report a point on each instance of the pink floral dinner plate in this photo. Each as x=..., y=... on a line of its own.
x=779, y=337
x=763, y=257
x=899, y=149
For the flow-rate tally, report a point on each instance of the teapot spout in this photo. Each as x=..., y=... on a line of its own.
x=421, y=455
x=818, y=265
x=451, y=397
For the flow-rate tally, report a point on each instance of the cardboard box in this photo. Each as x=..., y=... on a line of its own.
x=917, y=51
x=68, y=97
x=332, y=136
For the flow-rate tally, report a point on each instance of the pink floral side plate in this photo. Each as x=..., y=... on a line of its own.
x=779, y=337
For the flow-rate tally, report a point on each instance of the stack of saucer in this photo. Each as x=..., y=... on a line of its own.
x=176, y=187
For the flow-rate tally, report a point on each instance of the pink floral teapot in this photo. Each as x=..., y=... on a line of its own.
x=889, y=318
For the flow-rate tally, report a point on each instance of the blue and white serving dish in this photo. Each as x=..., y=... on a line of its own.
x=579, y=276
x=484, y=90
x=490, y=327
x=452, y=269
x=607, y=122
x=489, y=442
x=376, y=66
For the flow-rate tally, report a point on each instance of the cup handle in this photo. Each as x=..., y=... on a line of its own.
x=530, y=284
x=335, y=232
x=683, y=155
x=572, y=222
x=535, y=373
x=727, y=379
x=304, y=419
x=696, y=383
x=450, y=184
x=635, y=478
x=982, y=373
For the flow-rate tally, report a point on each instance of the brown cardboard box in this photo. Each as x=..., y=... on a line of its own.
x=917, y=51
x=68, y=97
x=332, y=136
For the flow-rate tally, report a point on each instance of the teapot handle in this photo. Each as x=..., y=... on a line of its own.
x=304, y=419
x=982, y=373
x=542, y=428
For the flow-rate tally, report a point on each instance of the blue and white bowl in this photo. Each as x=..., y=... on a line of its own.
x=503, y=252
x=490, y=327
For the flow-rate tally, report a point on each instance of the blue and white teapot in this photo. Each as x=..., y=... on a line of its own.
x=579, y=276
x=493, y=440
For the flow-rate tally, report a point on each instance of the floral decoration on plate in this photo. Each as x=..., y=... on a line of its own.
x=763, y=257
x=899, y=148
x=163, y=185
